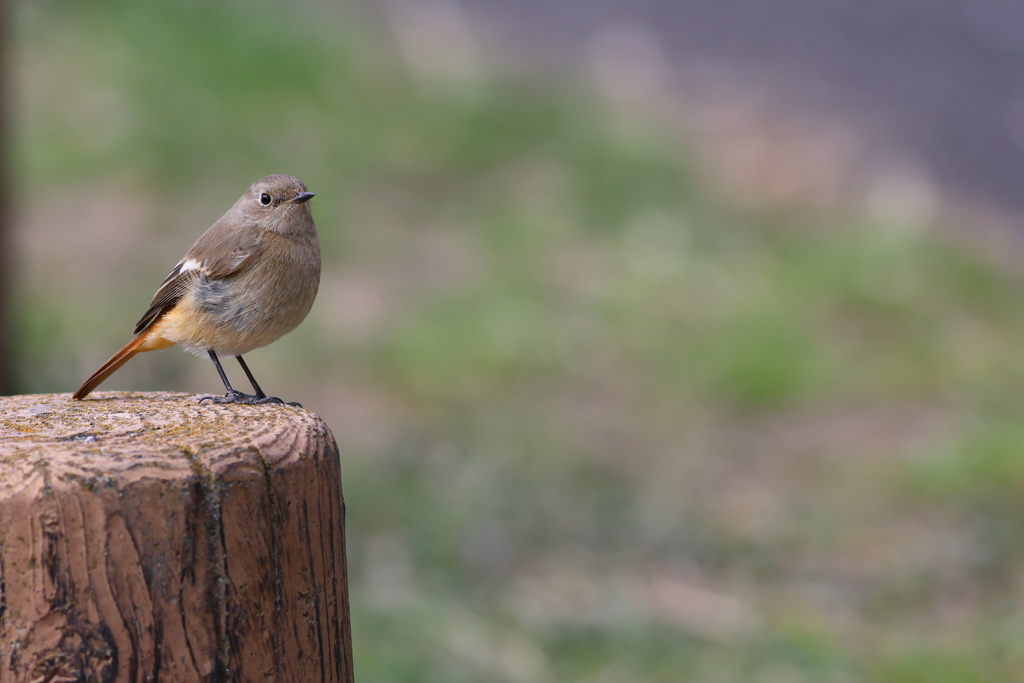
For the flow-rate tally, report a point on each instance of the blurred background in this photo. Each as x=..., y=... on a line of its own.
x=662, y=341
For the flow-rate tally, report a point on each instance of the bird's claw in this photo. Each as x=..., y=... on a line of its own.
x=238, y=398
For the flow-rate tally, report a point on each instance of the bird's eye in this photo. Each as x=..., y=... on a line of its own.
x=265, y=199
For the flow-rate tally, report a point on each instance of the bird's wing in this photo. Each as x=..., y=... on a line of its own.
x=218, y=253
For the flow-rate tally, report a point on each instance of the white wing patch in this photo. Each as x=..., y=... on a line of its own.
x=191, y=264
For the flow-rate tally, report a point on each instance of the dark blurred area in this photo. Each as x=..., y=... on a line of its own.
x=662, y=341
x=6, y=383
x=938, y=79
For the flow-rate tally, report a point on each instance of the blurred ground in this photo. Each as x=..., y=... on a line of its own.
x=618, y=399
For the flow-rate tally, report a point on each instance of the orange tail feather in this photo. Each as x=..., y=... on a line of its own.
x=111, y=366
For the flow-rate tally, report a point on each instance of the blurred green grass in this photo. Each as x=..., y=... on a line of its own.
x=596, y=423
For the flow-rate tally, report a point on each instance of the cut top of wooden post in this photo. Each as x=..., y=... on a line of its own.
x=49, y=438
x=145, y=536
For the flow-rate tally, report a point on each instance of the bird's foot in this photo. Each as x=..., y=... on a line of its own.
x=258, y=400
x=231, y=397
x=238, y=398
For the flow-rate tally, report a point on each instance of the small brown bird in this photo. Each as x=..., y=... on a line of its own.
x=250, y=279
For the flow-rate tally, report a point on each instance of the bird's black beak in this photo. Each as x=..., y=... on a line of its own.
x=302, y=197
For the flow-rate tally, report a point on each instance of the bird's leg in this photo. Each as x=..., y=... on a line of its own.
x=252, y=380
x=231, y=396
x=260, y=396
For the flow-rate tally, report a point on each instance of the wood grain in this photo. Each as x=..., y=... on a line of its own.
x=145, y=537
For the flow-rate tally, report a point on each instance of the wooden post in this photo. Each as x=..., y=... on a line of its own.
x=145, y=537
